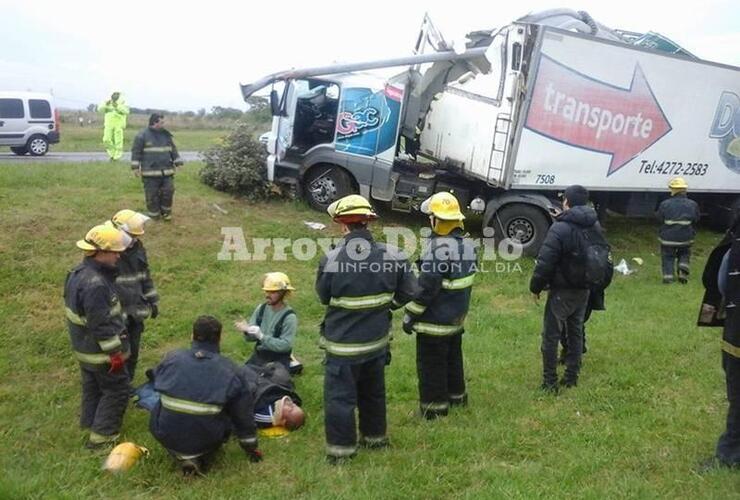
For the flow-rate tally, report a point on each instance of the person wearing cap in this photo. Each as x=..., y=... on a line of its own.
x=204, y=397
x=115, y=111
x=154, y=158
x=276, y=403
x=98, y=333
x=273, y=324
x=677, y=216
x=439, y=307
x=359, y=282
x=139, y=298
x=559, y=260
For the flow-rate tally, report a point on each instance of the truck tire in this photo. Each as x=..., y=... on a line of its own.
x=37, y=145
x=524, y=223
x=324, y=184
x=19, y=150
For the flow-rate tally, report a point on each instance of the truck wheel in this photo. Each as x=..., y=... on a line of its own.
x=523, y=223
x=37, y=145
x=325, y=184
x=19, y=150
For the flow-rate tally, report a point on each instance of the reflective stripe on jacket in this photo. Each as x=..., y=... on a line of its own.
x=677, y=214
x=360, y=281
x=446, y=275
x=134, y=283
x=93, y=312
x=154, y=153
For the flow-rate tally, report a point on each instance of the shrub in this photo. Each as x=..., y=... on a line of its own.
x=237, y=165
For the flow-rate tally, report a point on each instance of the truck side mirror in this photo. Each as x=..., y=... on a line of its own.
x=274, y=103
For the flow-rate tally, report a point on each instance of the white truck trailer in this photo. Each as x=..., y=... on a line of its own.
x=524, y=112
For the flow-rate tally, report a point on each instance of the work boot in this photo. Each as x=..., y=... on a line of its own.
x=667, y=281
x=191, y=467
x=167, y=217
x=375, y=443
x=549, y=388
x=333, y=460
x=683, y=280
x=569, y=381
x=459, y=400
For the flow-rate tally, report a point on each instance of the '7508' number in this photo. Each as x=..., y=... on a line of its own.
x=544, y=179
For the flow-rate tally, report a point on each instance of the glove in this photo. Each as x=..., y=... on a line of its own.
x=254, y=333
x=155, y=310
x=408, y=322
x=116, y=362
x=254, y=455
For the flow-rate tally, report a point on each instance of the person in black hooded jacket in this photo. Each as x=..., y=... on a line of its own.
x=566, y=303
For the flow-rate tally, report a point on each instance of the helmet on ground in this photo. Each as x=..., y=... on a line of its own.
x=678, y=184
x=443, y=206
x=276, y=282
x=130, y=221
x=124, y=456
x=352, y=208
x=105, y=237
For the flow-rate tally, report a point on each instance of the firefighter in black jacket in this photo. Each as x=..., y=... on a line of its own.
x=566, y=301
x=98, y=334
x=359, y=281
x=721, y=307
x=677, y=214
x=139, y=298
x=203, y=398
x=437, y=313
x=154, y=158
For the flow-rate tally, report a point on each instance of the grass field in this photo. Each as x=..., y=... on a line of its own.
x=649, y=406
x=75, y=138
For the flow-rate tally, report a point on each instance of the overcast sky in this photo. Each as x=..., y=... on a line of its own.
x=172, y=55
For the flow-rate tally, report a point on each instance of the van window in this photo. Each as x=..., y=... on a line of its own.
x=11, y=108
x=39, y=108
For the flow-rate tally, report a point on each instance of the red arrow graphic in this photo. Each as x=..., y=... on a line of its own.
x=575, y=109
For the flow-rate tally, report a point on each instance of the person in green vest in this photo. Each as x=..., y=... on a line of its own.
x=115, y=110
x=273, y=324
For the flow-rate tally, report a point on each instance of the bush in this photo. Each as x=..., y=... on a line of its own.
x=237, y=165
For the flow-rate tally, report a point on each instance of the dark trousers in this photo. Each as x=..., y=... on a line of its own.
x=104, y=400
x=350, y=386
x=672, y=255
x=728, y=446
x=159, y=192
x=564, y=312
x=439, y=366
x=134, y=329
x=262, y=357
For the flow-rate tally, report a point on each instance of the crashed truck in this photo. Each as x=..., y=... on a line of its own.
x=506, y=124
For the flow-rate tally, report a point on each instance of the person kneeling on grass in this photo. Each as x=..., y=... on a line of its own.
x=273, y=324
x=203, y=397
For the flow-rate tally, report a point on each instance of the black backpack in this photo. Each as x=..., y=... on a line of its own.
x=590, y=264
x=279, y=324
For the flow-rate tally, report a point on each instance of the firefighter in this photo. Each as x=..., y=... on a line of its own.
x=203, y=398
x=98, y=334
x=677, y=214
x=273, y=324
x=721, y=307
x=115, y=111
x=359, y=281
x=139, y=298
x=437, y=313
x=154, y=158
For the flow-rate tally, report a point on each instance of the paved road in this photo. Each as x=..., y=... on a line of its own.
x=80, y=157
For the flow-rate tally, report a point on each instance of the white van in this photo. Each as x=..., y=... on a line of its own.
x=29, y=122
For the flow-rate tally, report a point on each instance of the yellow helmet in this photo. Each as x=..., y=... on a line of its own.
x=123, y=457
x=442, y=205
x=678, y=184
x=276, y=282
x=352, y=205
x=105, y=237
x=130, y=221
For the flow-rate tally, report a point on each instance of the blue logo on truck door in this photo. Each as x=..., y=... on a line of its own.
x=726, y=128
x=367, y=123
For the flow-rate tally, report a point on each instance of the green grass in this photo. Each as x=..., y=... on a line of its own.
x=649, y=407
x=90, y=138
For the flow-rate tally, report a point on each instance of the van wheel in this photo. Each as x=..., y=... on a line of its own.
x=525, y=224
x=325, y=184
x=37, y=145
x=19, y=150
